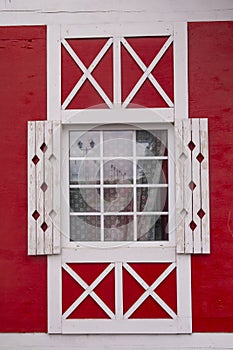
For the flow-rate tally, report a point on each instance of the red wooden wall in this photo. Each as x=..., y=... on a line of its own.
x=23, y=290
x=211, y=96
x=22, y=97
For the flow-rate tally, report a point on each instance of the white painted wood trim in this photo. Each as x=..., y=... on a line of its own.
x=121, y=30
x=113, y=116
x=42, y=341
x=180, y=70
x=54, y=293
x=53, y=72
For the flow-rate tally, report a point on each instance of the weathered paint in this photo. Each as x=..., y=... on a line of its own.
x=23, y=97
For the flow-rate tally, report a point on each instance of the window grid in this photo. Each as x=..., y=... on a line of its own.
x=135, y=213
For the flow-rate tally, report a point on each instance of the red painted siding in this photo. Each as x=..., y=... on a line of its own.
x=211, y=96
x=22, y=97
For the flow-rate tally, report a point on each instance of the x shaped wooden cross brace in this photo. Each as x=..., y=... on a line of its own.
x=88, y=290
x=149, y=290
x=147, y=72
x=87, y=73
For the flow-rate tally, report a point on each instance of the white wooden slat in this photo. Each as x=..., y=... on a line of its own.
x=56, y=184
x=147, y=72
x=40, y=181
x=150, y=76
x=188, y=248
x=180, y=154
x=89, y=76
x=197, y=181
x=118, y=290
x=205, y=229
x=48, y=194
x=32, y=224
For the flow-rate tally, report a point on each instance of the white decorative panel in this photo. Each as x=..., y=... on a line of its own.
x=192, y=186
x=43, y=187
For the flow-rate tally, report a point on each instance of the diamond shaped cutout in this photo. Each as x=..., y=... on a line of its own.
x=35, y=159
x=192, y=225
x=35, y=215
x=192, y=186
x=43, y=147
x=44, y=186
x=201, y=213
x=191, y=146
x=200, y=157
x=44, y=226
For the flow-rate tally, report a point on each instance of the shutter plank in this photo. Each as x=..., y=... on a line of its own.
x=187, y=192
x=205, y=186
x=196, y=193
x=32, y=224
x=39, y=182
x=49, y=190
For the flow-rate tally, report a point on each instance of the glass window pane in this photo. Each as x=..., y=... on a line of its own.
x=152, y=171
x=151, y=143
x=118, y=199
x=84, y=172
x=84, y=200
x=152, y=228
x=118, y=171
x=152, y=199
x=84, y=144
x=85, y=228
x=118, y=228
x=118, y=143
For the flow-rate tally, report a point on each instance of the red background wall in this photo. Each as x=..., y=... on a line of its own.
x=23, y=97
x=211, y=96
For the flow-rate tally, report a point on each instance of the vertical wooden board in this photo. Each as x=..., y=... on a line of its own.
x=180, y=155
x=54, y=274
x=31, y=189
x=117, y=72
x=118, y=291
x=56, y=160
x=48, y=194
x=180, y=70
x=205, y=186
x=53, y=72
x=197, y=184
x=187, y=191
x=40, y=180
x=184, y=293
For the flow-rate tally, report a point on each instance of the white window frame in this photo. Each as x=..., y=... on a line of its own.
x=65, y=186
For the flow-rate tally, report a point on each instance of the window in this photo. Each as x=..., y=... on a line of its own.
x=119, y=184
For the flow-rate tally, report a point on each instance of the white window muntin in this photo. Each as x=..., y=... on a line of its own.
x=65, y=188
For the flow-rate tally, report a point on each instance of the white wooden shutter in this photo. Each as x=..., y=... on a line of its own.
x=43, y=187
x=192, y=186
